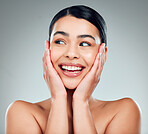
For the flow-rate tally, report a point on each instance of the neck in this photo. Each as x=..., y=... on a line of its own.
x=69, y=101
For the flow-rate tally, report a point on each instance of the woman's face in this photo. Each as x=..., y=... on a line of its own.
x=74, y=45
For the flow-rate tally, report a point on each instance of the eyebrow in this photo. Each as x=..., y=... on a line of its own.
x=86, y=35
x=61, y=32
x=79, y=36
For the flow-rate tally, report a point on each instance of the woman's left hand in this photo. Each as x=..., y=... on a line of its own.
x=90, y=81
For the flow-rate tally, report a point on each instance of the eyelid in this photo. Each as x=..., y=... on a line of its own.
x=59, y=40
x=89, y=44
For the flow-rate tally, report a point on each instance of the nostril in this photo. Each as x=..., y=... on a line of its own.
x=72, y=53
x=72, y=57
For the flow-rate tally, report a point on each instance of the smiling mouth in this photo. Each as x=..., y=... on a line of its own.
x=71, y=70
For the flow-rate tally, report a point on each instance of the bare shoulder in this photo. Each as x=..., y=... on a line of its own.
x=124, y=104
x=22, y=117
x=126, y=107
x=20, y=105
x=124, y=116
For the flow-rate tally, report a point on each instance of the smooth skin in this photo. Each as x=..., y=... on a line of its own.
x=71, y=108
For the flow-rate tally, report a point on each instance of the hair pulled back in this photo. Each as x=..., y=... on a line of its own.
x=83, y=12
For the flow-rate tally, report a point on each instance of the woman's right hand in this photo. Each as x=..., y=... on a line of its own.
x=51, y=76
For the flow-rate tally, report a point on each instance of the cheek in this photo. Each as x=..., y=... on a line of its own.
x=89, y=57
x=55, y=54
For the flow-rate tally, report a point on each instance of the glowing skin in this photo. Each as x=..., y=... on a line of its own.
x=74, y=44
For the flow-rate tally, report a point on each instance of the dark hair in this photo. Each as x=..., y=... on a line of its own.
x=83, y=12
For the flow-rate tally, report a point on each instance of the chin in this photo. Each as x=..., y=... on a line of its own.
x=71, y=84
x=70, y=88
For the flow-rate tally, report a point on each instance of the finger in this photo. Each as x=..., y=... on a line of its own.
x=96, y=64
x=50, y=69
x=47, y=44
x=101, y=51
x=47, y=65
x=48, y=60
x=44, y=55
x=45, y=68
x=47, y=52
x=102, y=48
x=101, y=64
x=98, y=58
x=45, y=73
x=98, y=69
x=46, y=49
x=43, y=58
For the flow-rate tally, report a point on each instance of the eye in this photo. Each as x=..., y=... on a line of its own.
x=85, y=44
x=59, y=42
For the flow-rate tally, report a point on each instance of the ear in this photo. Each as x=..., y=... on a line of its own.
x=106, y=49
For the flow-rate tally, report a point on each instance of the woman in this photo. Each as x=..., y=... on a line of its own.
x=73, y=61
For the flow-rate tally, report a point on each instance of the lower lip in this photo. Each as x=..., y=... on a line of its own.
x=71, y=74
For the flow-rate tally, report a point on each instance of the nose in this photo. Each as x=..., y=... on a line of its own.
x=72, y=52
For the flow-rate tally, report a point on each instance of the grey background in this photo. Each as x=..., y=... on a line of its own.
x=24, y=28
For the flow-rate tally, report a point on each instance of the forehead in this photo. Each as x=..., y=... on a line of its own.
x=75, y=26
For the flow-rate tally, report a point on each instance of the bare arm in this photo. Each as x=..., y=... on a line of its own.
x=58, y=117
x=83, y=121
x=82, y=118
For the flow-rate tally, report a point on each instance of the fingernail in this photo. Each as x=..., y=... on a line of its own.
x=103, y=48
x=100, y=54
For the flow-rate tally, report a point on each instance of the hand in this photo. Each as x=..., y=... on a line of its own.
x=90, y=81
x=51, y=76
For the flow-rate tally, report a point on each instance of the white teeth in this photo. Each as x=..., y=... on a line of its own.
x=73, y=71
x=73, y=68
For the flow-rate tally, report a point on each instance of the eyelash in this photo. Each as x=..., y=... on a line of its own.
x=85, y=43
x=58, y=42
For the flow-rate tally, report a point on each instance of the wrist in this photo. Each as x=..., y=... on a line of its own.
x=59, y=98
x=80, y=106
x=79, y=99
x=79, y=102
x=59, y=103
